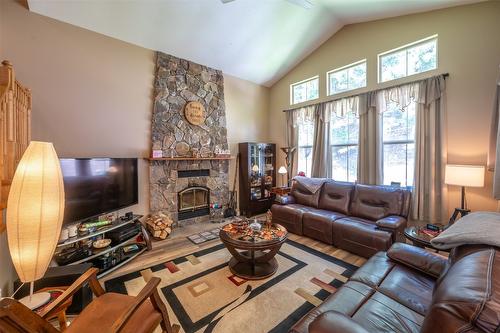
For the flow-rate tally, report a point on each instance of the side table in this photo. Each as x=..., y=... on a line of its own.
x=420, y=239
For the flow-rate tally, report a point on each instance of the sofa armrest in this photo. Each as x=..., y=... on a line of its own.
x=393, y=222
x=430, y=263
x=335, y=322
x=287, y=199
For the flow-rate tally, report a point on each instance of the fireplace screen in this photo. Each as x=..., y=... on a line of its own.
x=193, y=198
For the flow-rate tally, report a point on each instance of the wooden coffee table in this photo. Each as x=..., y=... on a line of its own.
x=253, y=252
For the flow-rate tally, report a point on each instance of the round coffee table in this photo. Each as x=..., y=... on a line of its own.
x=253, y=252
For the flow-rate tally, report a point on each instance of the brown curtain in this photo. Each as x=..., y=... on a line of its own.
x=429, y=194
x=493, y=151
x=370, y=140
x=322, y=153
x=292, y=135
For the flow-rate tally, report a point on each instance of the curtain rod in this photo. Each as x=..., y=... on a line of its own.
x=445, y=75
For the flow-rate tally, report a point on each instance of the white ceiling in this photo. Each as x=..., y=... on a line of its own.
x=256, y=40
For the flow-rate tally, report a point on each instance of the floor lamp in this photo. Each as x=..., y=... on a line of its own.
x=35, y=210
x=464, y=176
x=282, y=171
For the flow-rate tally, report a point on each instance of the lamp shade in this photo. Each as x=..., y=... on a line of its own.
x=35, y=210
x=464, y=175
x=282, y=170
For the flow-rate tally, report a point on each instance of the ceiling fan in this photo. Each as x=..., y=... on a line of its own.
x=306, y=4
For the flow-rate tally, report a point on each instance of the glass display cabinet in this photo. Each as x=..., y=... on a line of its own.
x=257, y=177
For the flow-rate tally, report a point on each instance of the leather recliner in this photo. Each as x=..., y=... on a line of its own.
x=408, y=289
x=362, y=219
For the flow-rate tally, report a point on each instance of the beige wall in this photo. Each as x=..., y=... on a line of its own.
x=469, y=49
x=92, y=95
x=247, y=111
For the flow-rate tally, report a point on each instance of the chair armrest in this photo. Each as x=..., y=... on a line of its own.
x=145, y=293
x=392, y=222
x=427, y=262
x=15, y=317
x=89, y=276
x=335, y=322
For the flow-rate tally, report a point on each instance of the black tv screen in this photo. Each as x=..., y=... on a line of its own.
x=95, y=186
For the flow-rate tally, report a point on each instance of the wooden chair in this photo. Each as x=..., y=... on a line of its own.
x=108, y=312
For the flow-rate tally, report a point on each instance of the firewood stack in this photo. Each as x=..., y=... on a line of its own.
x=159, y=225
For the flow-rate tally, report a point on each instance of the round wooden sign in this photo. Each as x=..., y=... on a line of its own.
x=195, y=113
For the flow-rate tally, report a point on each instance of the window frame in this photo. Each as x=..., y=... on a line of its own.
x=348, y=144
x=406, y=48
x=316, y=77
x=346, y=67
x=396, y=142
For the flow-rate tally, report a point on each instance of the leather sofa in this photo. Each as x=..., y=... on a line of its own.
x=408, y=289
x=362, y=219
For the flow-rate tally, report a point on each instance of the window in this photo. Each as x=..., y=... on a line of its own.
x=407, y=60
x=399, y=144
x=344, y=135
x=304, y=91
x=349, y=77
x=305, y=139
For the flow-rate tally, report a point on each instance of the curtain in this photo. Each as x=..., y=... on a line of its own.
x=493, y=152
x=429, y=194
x=292, y=135
x=294, y=119
x=322, y=152
x=370, y=167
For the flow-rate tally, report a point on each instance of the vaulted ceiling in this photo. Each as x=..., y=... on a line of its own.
x=256, y=40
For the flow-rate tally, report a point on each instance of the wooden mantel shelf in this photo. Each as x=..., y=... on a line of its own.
x=189, y=158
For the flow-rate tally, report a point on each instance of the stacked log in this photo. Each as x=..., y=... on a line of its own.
x=159, y=225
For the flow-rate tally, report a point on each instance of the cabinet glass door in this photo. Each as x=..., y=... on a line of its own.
x=255, y=172
x=267, y=163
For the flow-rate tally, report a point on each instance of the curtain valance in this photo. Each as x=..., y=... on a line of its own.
x=425, y=91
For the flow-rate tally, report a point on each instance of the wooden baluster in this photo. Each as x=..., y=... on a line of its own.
x=15, y=128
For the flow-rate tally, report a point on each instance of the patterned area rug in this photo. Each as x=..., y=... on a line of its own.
x=202, y=294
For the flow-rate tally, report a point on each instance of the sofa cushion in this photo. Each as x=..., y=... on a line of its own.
x=345, y=300
x=374, y=271
x=318, y=224
x=376, y=202
x=383, y=314
x=360, y=236
x=303, y=195
x=409, y=287
x=290, y=216
x=336, y=196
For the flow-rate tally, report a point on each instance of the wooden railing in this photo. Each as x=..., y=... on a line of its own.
x=15, y=129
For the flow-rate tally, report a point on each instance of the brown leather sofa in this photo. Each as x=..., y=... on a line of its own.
x=408, y=289
x=362, y=219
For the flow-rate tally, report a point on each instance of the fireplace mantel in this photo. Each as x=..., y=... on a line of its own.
x=189, y=158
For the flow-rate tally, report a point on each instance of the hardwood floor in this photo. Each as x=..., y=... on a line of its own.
x=178, y=245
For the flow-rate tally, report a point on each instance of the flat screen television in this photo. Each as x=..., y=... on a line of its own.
x=96, y=186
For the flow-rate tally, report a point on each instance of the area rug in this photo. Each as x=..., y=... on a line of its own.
x=202, y=295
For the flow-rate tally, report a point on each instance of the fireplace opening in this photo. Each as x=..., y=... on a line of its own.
x=193, y=201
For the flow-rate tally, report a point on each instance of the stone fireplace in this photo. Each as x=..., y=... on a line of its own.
x=181, y=186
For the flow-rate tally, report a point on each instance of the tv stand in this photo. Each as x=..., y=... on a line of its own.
x=113, y=248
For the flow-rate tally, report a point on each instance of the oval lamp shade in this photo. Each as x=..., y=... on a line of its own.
x=35, y=210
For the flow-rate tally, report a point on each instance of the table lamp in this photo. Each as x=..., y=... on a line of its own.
x=464, y=176
x=282, y=171
x=35, y=210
